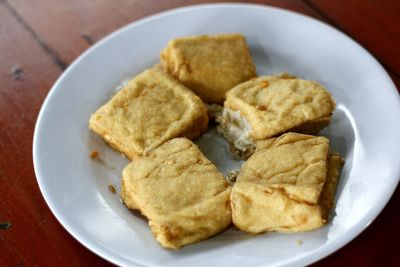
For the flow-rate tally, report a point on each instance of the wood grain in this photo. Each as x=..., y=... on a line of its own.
x=69, y=27
x=35, y=237
x=39, y=38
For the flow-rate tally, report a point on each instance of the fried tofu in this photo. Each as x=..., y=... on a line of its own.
x=209, y=65
x=183, y=195
x=271, y=105
x=151, y=109
x=287, y=185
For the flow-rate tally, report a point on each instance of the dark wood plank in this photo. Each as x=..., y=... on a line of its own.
x=69, y=27
x=35, y=237
x=374, y=23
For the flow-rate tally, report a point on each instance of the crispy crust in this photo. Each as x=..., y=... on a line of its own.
x=209, y=65
x=180, y=191
x=326, y=201
x=197, y=127
x=292, y=189
x=276, y=104
x=150, y=110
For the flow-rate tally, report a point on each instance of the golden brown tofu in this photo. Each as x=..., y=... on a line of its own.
x=287, y=185
x=150, y=110
x=209, y=65
x=183, y=195
x=271, y=105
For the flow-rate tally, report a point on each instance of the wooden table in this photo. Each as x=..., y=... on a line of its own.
x=40, y=38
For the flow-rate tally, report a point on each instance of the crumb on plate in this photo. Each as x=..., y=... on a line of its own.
x=94, y=154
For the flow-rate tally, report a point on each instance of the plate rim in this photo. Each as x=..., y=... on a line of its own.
x=109, y=256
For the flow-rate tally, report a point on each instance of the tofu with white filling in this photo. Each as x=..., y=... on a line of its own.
x=272, y=105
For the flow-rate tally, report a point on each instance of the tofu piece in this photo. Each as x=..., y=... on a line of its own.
x=183, y=195
x=327, y=199
x=210, y=65
x=271, y=105
x=287, y=185
x=151, y=109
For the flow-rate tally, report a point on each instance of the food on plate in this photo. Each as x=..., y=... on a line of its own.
x=287, y=185
x=94, y=154
x=151, y=109
x=289, y=180
x=112, y=189
x=182, y=194
x=271, y=105
x=209, y=65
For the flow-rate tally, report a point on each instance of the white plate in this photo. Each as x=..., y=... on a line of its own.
x=365, y=130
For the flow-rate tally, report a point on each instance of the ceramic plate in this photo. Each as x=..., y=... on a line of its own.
x=365, y=130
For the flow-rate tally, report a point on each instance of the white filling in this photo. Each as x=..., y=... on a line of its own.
x=236, y=129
